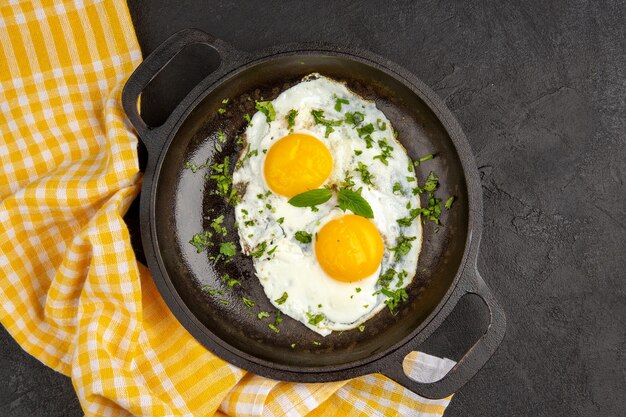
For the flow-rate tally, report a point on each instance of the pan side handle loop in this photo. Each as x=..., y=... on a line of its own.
x=152, y=65
x=471, y=362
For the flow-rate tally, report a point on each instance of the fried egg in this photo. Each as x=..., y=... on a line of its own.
x=321, y=265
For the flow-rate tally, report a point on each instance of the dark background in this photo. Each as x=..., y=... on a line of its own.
x=539, y=88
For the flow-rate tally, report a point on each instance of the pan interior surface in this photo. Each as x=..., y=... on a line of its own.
x=184, y=206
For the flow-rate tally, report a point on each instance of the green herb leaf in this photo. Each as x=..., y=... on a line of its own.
x=274, y=328
x=232, y=282
x=315, y=319
x=319, y=119
x=381, y=125
x=316, y=343
x=293, y=345
x=357, y=289
x=228, y=249
x=339, y=102
x=357, y=152
x=248, y=302
x=267, y=108
x=291, y=118
x=449, y=202
x=355, y=118
x=303, y=237
x=311, y=198
x=201, y=241
x=365, y=130
x=221, y=136
x=386, y=152
x=403, y=246
x=263, y=314
x=271, y=251
x=366, y=176
x=394, y=298
x=432, y=182
x=280, y=220
x=351, y=200
x=216, y=224
x=368, y=141
x=423, y=159
x=282, y=299
x=385, y=279
x=212, y=291
x=361, y=328
x=401, y=276
x=260, y=250
x=397, y=189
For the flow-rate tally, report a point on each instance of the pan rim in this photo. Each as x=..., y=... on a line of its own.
x=246, y=360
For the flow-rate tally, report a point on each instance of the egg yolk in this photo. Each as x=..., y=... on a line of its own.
x=297, y=163
x=349, y=248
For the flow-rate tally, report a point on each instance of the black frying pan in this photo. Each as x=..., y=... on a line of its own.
x=176, y=201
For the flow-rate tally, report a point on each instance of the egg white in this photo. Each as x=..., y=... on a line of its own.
x=292, y=266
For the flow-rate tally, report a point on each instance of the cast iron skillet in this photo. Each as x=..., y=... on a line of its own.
x=176, y=203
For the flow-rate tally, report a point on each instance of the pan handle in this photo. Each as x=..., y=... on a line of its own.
x=471, y=362
x=152, y=65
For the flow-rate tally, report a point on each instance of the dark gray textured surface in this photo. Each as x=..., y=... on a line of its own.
x=539, y=88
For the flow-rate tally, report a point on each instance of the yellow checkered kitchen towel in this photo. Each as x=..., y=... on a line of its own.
x=71, y=292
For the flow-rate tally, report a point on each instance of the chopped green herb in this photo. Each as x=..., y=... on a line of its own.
x=225, y=302
x=319, y=306
x=282, y=299
x=221, y=136
x=195, y=168
x=249, y=222
x=348, y=182
x=260, y=250
x=239, y=140
x=268, y=206
x=291, y=118
x=339, y=102
x=397, y=188
x=248, y=302
x=357, y=289
x=225, y=101
x=212, y=291
x=351, y=200
x=449, y=202
x=278, y=319
x=361, y=328
x=273, y=327
x=365, y=130
x=293, y=345
x=365, y=305
x=411, y=167
x=267, y=108
x=366, y=176
x=368, y=141
x=381, y=125
x=232, y=282
x=401, y=276
x=315, y=319
x=394, y=298
x=403, y=246
x=220, y=173
x=263, y=314
x=249, y=154
x=271, y=251
x=246, y=117
x=385, y=279
x=221, y=110
x=311, y=198
x=357, y=152
x=410, y=179
x=280, y=220
x=316, y=343
x=303, y=237
x=318, y=117
x=227, y=249
x=216, y=224
x=424, y=159
x=355, y=118
x=201, y=241
x=386, y=151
